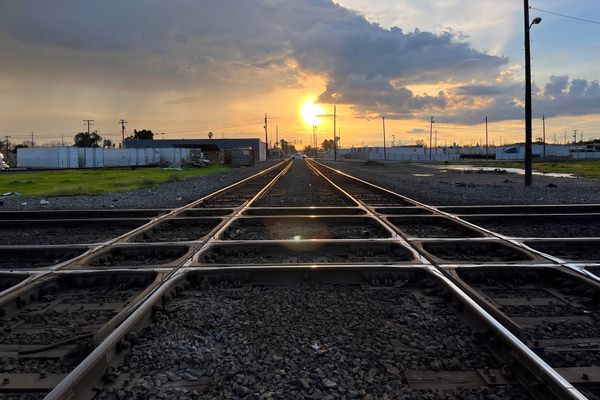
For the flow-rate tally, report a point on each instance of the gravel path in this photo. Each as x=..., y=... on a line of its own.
x=298, y=341
x=445, y=187
x=167, y=195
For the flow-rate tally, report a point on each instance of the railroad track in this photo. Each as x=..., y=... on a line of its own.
x=303, y=282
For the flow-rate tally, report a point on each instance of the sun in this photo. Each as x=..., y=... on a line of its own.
x=312, y=113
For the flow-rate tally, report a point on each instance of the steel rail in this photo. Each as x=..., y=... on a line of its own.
x=155, y=221
x=454, y=217
x=541, y=369
x=68, y=387
x=85, y=374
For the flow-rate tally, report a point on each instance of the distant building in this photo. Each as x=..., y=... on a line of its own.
x=207, y=145
x=517, y=151
x=397, y=153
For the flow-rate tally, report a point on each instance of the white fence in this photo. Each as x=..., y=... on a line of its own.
x=78, y=157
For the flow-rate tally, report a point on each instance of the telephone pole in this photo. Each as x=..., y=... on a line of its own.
x=575, y=136
x=267, y=135
x=335, y=139
x=122, y=122
x=544, y=133
x=316, y=144
x=89, y=123
x=32, y=142
x=430, y=136
x=384, y=150
x=6, y=139
x=276, y=135
x=486, y=139
x=528, y=109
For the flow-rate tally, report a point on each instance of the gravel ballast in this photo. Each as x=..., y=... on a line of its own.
x=302, y=341
x=438, y=186
x=301, y=187
x=167, y=195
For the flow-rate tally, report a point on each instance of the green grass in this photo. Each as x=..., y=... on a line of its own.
x=92, y=182
x=582, y=168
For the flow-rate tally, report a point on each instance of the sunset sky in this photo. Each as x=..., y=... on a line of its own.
x=188, y=67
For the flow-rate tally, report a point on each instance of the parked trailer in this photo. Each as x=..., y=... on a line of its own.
x=88, y=157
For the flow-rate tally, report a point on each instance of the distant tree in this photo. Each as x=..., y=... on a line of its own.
x=286, y=147
x=53, y=143
x=328, y=145
x=19, y=146
x=140, y=135
x=83, y=139
x=210, y=135
x=420, y=143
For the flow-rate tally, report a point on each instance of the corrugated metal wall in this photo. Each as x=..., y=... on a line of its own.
x=76, y=157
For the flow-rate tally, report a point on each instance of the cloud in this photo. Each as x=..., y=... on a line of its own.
x=227, y=48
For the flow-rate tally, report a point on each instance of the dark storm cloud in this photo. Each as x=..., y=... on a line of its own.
x=253, y=46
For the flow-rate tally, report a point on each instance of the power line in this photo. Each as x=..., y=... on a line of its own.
x=566, y=16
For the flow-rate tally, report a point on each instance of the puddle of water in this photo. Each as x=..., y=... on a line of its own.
x=518, y=171
x=422, y=174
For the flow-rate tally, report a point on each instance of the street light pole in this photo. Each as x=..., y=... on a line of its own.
x=486, y=138
x=544, y=133
x=430, y=136
x=334, y=134
x=528, y=109
x=384, y=150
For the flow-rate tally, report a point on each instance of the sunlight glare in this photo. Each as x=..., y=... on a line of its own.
x=311, y=113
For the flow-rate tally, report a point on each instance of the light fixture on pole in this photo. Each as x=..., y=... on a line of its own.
x=528, y=108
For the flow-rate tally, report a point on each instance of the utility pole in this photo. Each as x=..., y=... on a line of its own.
x=6, y=138
x=544, y=133
x=276, y=135
x=89, y=123
x=334, y=131
x=528, y=109
x=62, y=139
x=32, y=142
x=267, y=135
x=384, y=150
x=122, y=122
x=486, y=139
x=316, y=144
x=430, y=136
x=575, y=136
